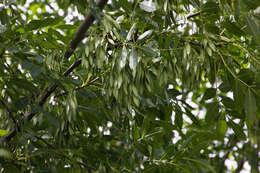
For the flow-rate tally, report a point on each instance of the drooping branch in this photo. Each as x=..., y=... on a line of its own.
x=80, y=34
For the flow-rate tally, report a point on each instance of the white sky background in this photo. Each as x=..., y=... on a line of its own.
x=230, y=163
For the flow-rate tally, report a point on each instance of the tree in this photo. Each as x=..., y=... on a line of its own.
x=136, y=86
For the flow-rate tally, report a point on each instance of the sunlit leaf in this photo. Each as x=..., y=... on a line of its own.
x=133, y=59
x=145, y=35
x=221, y=127
x=148, y=6
x=3, y=132
x=123, y=57
x=131, y=32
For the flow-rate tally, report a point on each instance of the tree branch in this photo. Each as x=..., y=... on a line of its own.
x=80, y=34
x=196, y=43
x=240, y=165
x=194, y=15
x=73, y=44
x=63, y=155
x=10, y=114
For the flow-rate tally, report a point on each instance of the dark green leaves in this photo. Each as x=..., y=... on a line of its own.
x=250, y=107
x=37, y=24
x=253, y=27
x=209, y=93
x=212, y=112
x=239, y=132
x=147, y=51
x=228, y=102
x=161, y=87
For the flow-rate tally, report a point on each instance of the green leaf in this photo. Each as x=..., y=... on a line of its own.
x=142, y=147
x=133, y=59
x=112, y=21
x=212, y=112
x=228, y=102
x=173, y=92
x=221, y=127
x=201, y=162
x=209, y=51
x=4, y=153
x=23, y=83
x=9, y=2
x=210, y=7
x=187, y=48
x=100, y=56
x=250, y=106
x=130, y=33
x=145, y=35
x=37, y=24
x=178, y=117
x=253, y=27
x=247, y=76
x=148, y=6
x=238, y=130
x=211, y=45
x=3, y=28
x=3, y=132
x=123, y=57
x=147, y=51
x=209, y=93
x=225, y=86
x=193, y=118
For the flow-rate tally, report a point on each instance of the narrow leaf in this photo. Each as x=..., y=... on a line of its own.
x=209, y=93
x=145, y=35
x=238, y=130
x=131, y=31
x=133, y=59
x=250, y=106
x=147, y=51
x=221, y=127
x=201, y=162
x=123, y=57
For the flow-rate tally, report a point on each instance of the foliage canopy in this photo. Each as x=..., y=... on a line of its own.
x=136, y=86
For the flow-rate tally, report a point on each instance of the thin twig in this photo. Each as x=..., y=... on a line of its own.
x=194, y=15
x=78, y=88
x=63, y=155
x=196, y=43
